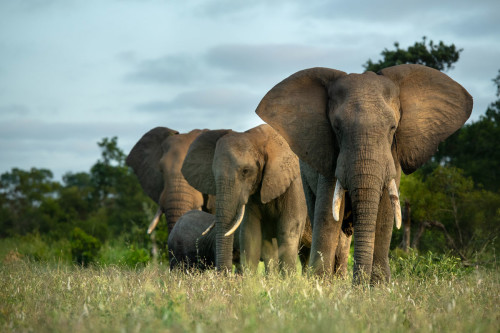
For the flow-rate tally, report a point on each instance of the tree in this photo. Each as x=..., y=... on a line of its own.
x=446, y=200
x=439, y=56
x=24, y=196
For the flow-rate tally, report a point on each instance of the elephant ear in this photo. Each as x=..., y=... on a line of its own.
x=144, y=159
x=433, y=106
x=197, y=166
x=297, y=108
x=281, y=166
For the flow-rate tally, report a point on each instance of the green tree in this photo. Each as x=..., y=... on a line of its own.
x=447, y=201
x=25, y=197
x=439, y=56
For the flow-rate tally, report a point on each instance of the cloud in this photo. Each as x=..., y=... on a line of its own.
x=169, y=69
x=204, y=99
x=241, y=61
x=14, y=110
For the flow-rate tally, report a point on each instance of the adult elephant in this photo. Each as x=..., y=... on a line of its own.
x=189, y=246
x=157, y=160
x=256, y=179
x=363, y=129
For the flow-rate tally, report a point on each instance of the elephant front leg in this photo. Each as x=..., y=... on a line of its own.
x=342, y=255
x=325, y=229
x=250, y=240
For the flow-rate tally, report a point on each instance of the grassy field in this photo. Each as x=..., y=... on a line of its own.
x=425, y=295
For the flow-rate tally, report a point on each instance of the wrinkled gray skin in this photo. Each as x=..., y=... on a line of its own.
x=363, y=130
x=188, y=248
x=157, y=160
x=317, y=189
x=256, y=169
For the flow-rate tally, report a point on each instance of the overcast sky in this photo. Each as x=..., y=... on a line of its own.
x=73, y=72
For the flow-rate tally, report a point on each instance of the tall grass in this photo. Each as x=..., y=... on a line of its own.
x=41, y=297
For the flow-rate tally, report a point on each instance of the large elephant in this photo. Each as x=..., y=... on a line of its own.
x=256, y=179
x=188, y=246
x=157, y=160
x=362, y=130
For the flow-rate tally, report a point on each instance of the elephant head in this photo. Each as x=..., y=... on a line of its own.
x=157, y=160
x=241, y=169
x=364, y=129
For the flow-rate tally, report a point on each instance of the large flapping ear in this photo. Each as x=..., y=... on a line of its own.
x=433, y=106
x=197, y=166
x=281, y=166
x=297, y=108
x=144, y=159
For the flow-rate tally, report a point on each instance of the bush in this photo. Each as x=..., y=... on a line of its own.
x=135, y=257
x=411, y=264
x=84, y=248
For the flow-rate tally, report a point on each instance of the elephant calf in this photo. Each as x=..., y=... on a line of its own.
x=187, y=246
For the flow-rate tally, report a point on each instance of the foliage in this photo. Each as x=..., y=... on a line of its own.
x=439, y=56
x=36, y=297
x=84, y=248
x=471, y=216
x=412, y=265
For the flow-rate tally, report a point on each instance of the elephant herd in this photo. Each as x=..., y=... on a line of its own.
x=325, y=168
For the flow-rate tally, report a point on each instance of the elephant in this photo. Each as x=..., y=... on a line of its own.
x=360, y=131
x=256, y=181
x=157, y=160
x=189, y=247
x=317, y=188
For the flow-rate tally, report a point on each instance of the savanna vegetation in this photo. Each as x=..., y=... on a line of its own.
x=74, y=254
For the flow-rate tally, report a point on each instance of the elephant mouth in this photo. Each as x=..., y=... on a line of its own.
x=339, y=195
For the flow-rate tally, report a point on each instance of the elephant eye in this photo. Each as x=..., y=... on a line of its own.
x=245, y=171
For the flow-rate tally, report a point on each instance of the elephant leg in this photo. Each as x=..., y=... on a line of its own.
x=325, y=229
x=269, y=252
x=383, y=232
x=342, y=255
x=250, y=240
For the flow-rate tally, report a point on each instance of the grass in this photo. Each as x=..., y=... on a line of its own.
x=57, y=297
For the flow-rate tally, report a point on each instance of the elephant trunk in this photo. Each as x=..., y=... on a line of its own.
x=177, y=199
x=365, y=202
x=226, y=213
x=364, y=180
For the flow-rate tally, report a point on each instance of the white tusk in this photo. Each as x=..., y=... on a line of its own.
x=396, y=206
x=237, y=224
x=155, y=221
x=208, y=229
x=338, y=196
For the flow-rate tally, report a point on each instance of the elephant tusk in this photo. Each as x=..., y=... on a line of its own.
x=208, y=229
x=396, y=206
x=338, y=196
x=155, y=221
x=237, y=224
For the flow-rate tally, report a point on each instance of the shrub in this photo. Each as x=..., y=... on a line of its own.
x=84, y=248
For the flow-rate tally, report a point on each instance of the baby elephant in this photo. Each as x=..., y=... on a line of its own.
x=188, y=247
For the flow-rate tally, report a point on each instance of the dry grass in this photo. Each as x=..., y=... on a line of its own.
x=60, y=298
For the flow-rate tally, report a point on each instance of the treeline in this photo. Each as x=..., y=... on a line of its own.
x=87, y=209
x=452, y=204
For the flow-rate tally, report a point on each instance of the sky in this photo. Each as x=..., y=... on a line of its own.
x=74, y=72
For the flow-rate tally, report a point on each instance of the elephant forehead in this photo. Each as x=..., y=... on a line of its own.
x=235, y=147
x=366, y=84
